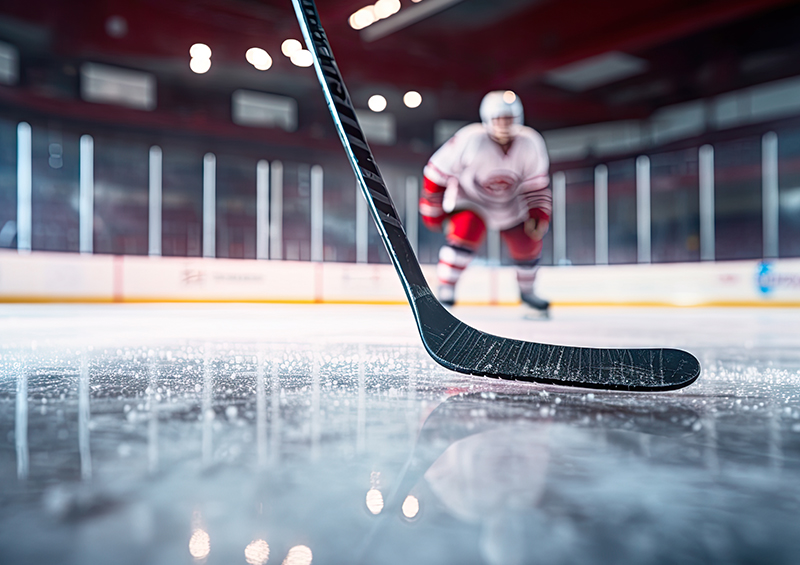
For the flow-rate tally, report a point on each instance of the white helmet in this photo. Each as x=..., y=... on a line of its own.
x=498, y=104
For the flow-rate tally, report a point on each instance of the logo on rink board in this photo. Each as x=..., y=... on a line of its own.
x=769, y=280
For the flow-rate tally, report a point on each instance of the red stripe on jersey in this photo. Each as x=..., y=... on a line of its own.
x=456, y=267
x=438, y=170
x=538, y=180
x=429, y=186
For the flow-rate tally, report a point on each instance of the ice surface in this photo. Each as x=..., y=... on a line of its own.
x=257, y=433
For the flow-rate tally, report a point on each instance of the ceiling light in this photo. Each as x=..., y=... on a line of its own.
x=509, y=97
x=364, y=17
x=360, y=20
x=117, y=27
x=200, y=51
x=385, y=8
x=290, y=46
x=412, y=99
x=599, y=70
x=199, y=65
x=377, y=103
x=302, y=58
x=259, y=58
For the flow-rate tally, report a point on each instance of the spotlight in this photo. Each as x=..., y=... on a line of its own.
x=412, y=99
x=377, y=103
x=199, y=65
x=200, y=51
x=259, y=58
x=302, y=58
x=290, y=46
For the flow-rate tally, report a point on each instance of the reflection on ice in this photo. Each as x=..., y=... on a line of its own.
x=261, y=412
x=21, y=421
x=362, y=392
x=206, y=406
x=410, y=507
x=374, y=501
x=315, y=407
x=200, y=544
x=298, y=555
x=265, y=447
x=257, y=552
x=84, y=416
x=153, y=398
x=466, y=478
x=276, y=397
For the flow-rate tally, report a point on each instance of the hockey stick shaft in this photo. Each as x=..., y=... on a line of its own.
x=355, y=145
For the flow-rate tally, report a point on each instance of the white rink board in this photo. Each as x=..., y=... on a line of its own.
x=54, y=277
x=680, y=284
x=167, y=279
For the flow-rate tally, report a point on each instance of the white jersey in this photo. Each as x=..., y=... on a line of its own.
x=500, y=187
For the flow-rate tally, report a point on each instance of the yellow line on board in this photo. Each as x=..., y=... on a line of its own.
x=140, y=300
x=55, y=299
x=262, y=301
x=709, y=304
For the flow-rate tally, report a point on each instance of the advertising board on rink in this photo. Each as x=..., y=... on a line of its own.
x=63, y=277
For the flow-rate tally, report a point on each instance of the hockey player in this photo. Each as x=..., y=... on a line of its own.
x=494, y=173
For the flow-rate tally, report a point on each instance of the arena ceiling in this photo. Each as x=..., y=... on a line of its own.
x=572, y=61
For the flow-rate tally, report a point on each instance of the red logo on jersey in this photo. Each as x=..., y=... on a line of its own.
x=499, y=186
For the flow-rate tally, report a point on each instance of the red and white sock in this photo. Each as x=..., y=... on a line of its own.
x=452, y=262
x=526, y=276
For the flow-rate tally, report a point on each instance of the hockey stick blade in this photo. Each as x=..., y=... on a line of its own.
x=449, y=341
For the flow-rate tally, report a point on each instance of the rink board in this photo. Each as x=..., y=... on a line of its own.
x=64, y=277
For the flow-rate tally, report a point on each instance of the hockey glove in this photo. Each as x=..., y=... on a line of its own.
x=537, y=225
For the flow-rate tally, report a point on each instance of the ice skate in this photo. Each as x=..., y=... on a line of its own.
x=535, y=308
x=447, y=295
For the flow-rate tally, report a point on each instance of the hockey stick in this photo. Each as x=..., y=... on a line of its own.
x=449, y=341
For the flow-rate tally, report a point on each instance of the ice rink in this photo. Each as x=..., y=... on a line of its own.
x=168, y=434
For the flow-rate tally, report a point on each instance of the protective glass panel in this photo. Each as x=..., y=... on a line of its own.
x=675, y=206
x=547, y=249
x=737, y=202
x=296, y=211
x=429, y=244
x=121, y=177
x=339, y=213
x=789, y=184
x=8, y=183
x=580, y=216
x=182, y=195
x=236, y=206
x=622, y=234
x=54, y=200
